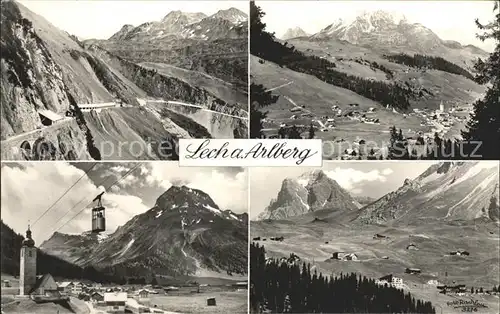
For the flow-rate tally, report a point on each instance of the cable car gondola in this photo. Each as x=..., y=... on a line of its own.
x=98, y=216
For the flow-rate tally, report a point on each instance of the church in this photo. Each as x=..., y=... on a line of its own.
x=39, y=288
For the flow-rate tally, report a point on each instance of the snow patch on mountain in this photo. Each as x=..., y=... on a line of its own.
x=126, y=248
x=212, y=209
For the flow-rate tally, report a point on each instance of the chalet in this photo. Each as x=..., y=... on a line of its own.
x=390, y=280
x=338, y=255
x=413, y=271
x=211, y=302
x=351, y=257
x=412, y=246
x=65, y=287
x=344, y=256
x=48, y=117
x=96, y=297
x=460, y=253
x=452, y=289
x=115, y=301
x=143, y=294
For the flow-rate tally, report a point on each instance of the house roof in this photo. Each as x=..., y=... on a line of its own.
x=50, y=115
x=115, y=296
x=65, y=284
x=43, y=282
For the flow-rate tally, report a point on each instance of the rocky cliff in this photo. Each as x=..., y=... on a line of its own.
x=310, y=192
x=185, y=233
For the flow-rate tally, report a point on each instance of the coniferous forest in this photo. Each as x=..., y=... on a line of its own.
x=285, y=287
x=11, y=243
x=437, y=63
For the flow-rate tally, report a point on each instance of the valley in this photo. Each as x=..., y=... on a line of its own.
x=437, y=230
x=174, y=256
x=355, y=79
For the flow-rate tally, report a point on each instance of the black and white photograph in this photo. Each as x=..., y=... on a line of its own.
x=150, y=237
x=120, y=80
x=378, y=79
x=375, y=237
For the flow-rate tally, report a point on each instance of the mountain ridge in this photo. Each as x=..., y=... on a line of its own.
x=310, y=192
x=185, y=233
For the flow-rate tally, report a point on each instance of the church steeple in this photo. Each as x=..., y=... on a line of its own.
x=28, y=241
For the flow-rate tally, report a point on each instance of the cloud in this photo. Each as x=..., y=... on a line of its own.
x=228, y=189
x=387, y=171
x=350, y=178
x=30, y=190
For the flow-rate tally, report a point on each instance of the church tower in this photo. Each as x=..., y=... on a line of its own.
x=27, y=272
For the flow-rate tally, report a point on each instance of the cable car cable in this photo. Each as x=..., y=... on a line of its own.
x=53, y=204
x=117, y=181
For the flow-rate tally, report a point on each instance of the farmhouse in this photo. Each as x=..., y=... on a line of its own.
x=412, y=246
x=143, y=294
x=115, y=301
x=96, y=297
x=413, y=271
x=344, y=256
x=460, y=253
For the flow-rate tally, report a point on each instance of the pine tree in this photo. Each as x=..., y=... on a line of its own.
x=259, y=99
x=281, y=132
x=311, y=131
x=484, y=125
x=294, y=133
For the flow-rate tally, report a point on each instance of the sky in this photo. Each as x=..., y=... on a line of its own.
x=29, y=189
x=373, y=179
x=450, y=20
x=101, y=19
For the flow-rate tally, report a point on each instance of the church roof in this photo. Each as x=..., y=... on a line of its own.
x=43, y=282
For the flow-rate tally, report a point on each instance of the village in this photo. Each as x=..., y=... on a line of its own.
x=32, y=291
x=445, y=121
x=415, y=277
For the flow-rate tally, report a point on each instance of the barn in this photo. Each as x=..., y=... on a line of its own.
x=115, y=301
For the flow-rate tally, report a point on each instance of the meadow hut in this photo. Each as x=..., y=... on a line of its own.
x=211, y=302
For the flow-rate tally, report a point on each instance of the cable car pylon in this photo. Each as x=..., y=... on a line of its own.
x=98, y=215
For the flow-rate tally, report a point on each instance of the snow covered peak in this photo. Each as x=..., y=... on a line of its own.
x=381, y=18
x=232, y=15
x=294, y=33
x=179, y=17
x=314, y=175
